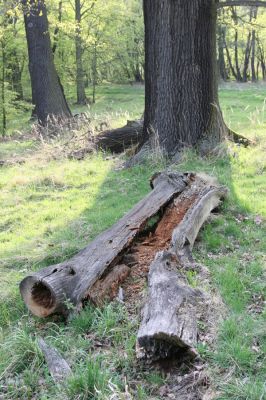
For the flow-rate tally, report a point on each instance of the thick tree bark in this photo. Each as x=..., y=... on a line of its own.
x=181, y=104
x=49, y=290
x=80, y=82
x=47, y=91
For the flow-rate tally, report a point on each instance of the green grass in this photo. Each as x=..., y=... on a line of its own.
x=51, y=209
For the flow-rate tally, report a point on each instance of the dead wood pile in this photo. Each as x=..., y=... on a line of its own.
x=122, y=257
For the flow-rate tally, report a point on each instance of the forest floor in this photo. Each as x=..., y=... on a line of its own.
x=52, y=208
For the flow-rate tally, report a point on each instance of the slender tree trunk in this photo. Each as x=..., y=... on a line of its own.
x=229, y=58
x=47, y=91
x=239, y=77
x=261, y=58
x=181, y=104
x=16, y=75
x=221, y=59
x=56, y=31
x=94, y=73
x=3, y=93
x=246, y=59
x=81, y=96
x=253, y=15
x=252, y=60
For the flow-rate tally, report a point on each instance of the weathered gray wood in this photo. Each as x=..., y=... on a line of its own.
x=208, y=197
x=169, y=323
x=47, y=291
x=57, y=365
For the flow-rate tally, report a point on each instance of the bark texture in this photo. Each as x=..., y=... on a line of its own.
x=48, y=290
x=180, y=73
x=169, y=323
x=57, y=365
x=47, y=91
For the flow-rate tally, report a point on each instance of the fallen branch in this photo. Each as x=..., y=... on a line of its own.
x=49, y=290
x=57, y=365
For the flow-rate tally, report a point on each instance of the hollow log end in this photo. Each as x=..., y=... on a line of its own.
x=38, y=296
x=160, y=346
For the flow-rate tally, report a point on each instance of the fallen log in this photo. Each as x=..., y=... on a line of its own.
x=57, y=365
x=50, y=289
x=169, y=322
x=118, y=140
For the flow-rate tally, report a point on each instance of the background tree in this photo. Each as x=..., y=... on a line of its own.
x=181, y=94
x=47, y=91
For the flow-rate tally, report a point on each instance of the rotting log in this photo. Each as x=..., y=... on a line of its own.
x=57, y=365
x=169, y=321
x=107, y=288
x=49, y=290
x=169, y=324
x=120, y=139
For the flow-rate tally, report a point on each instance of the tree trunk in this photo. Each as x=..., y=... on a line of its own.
x=238, y=72
x=94, y=73
x=229, y=59
x=252, y=60
x=221, y=59
x=246, y=59
x=3, y=90
x=254, y=74
x=81, y=96
x=261, y=57
x=47, y=91
x=181, y=100
x=56, y=31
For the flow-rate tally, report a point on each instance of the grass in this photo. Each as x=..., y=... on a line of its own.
x=51, y=209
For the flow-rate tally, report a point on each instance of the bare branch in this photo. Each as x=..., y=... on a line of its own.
x=248, y=3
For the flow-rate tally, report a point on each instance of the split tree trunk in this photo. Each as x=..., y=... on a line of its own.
x=48, y=290
x=169, y=323
x=181, y=103
x=47, y=92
